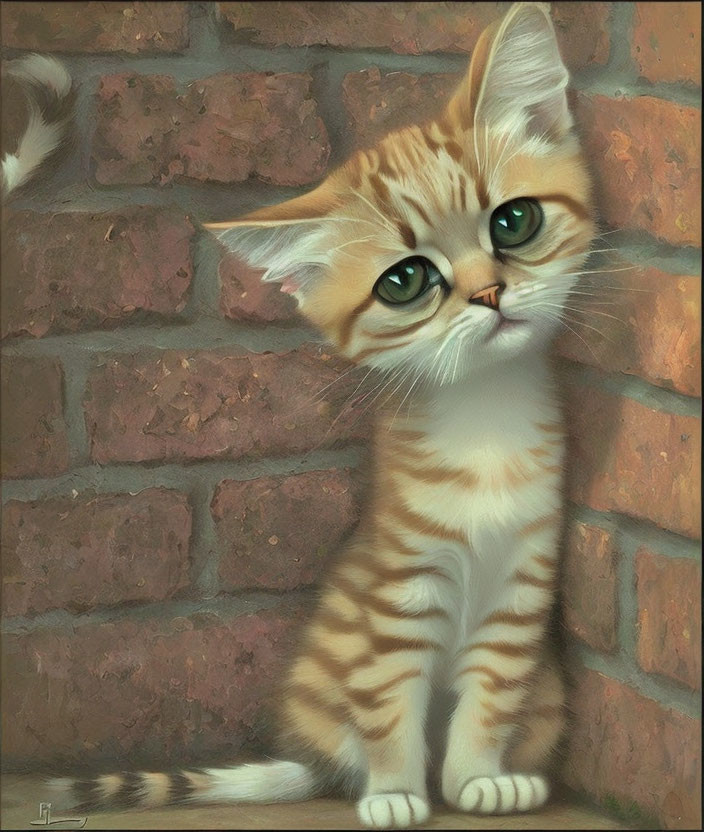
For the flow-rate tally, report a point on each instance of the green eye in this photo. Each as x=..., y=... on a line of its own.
x=407, y=280
x=515, y=222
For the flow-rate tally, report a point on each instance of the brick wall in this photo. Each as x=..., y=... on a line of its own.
x=175, y=472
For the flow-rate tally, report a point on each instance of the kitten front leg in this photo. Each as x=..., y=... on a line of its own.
x=390, y=719
x=494, y=675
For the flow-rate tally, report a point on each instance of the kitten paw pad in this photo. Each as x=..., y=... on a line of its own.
x=392, y=811
x=502, y=794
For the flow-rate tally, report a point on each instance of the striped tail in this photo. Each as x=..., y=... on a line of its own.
x=274, y=782
x=49, y=101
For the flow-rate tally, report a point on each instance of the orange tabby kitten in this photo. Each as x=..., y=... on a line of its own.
x=444, y=255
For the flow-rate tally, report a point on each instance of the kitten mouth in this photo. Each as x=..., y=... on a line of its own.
x=504, y=324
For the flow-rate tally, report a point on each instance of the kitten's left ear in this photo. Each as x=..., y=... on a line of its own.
x=516, y=80
x=285, y=240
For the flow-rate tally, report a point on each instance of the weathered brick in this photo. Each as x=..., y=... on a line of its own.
x=669, y=616
x=148, y=691
x=277, y=532
x=244, y=297
x=630, y=458
x=650, y=329
x=96, y=27
x=34, y=440
x=590, y=586
x=79, y=553
x=199, y=405
x=225, y=128
x=667, y=41
x=582, y=32
x=377, y=102
x=409, y=28
x=645, y=153
x=624, y=748
x=70, y=272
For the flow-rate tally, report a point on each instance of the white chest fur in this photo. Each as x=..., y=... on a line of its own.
x=490, y=427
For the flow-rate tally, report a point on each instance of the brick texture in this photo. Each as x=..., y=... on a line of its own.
x=70, y=272
x=645, y=154
x=244, y=297
x=200, y=405
x=377, y=102
x=34, y=440
x=650, y=327
x=409, y=28
x=225, y=128
x=278, y=532
x=141, y=692
x=667, y=41
x=624, y=748
x=632, y=459
x=590, y=586
x=96, y=27
x=669, y=616
x=94, y=550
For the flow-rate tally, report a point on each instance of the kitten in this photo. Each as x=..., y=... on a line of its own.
x=37, y=89
x=444, y=256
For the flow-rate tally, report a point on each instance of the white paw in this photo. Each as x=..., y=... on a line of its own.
x=503, y=793
x=392, y=811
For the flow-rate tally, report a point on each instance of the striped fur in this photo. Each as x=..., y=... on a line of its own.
x=49, y=100
x=450, y=580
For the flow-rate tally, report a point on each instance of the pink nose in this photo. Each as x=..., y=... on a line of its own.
x=489, y=296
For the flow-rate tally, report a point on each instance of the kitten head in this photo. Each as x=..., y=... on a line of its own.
x=450, y=245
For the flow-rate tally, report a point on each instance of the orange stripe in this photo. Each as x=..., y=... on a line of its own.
x=503, y=648
x=537, y=525
x=348, y=323
x=418, y=208
x=369, y=698
x=379, y=732
x=571, y=204
x=526, y=578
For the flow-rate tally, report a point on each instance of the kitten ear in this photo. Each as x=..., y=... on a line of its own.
x=516, y=80
x=285, y=240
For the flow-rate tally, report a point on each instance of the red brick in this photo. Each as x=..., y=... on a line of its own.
x=96, y=27
x=632, y=459
x=154, y=691
x=645, y=153
x=244, y=297
x=80, y=553
x=582, y=32
x=34, y=440
x=225, y=128
x=278, y=532
x=623, y=747
x=70, y=272
x=590, y=586
x=667, y=41
x=409, y=28
x=669, y=616
x=377, y=103
x=200, y=405
x=651, y=329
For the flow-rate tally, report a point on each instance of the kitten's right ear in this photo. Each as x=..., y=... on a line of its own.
x=286, y=240
x=516, y=80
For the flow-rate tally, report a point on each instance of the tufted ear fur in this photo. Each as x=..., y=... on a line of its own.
x=516, y=80
x=286, y=240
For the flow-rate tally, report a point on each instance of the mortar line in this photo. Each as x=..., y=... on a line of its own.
x=137, y=476
x=621, y=669
x=206, y=332
x=631, y=387
x=228, y=607
x=639, y=532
